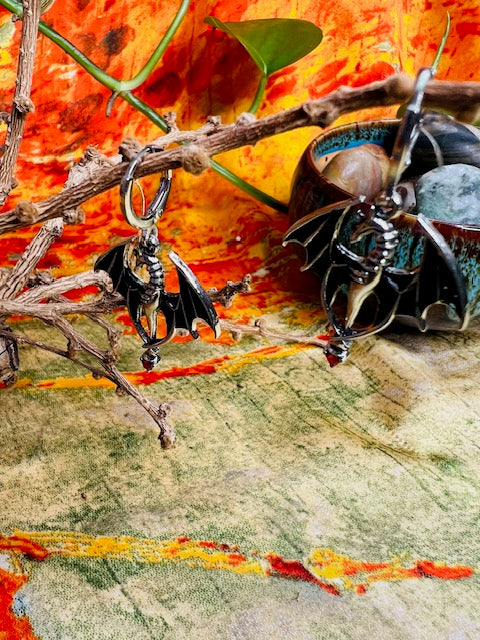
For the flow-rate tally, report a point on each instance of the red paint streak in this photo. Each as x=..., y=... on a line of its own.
x=202, y=368
x=378, y=71
x=283, y=86
x=417, y=41
x=236, y=558
x=124, y=318
x=149, y=377
x=293, y=569
x=24, y=545
x=208, y=544
x=13, y=627
x=467, y=29
x=230, y=11
x=326, y=76
x=431, y=570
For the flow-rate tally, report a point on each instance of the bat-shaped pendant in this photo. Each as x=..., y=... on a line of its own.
x=137, y=275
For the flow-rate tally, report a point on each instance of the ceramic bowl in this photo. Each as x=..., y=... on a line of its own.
x=311, y=190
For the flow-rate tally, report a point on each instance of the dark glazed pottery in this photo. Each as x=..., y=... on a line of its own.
x=312, y=191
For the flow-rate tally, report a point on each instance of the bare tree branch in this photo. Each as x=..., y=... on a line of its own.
x=98, y=279
x=50, y=231
x=95, y=174
x=53, y=313
x=45, y=312
x=158, y=412
x=214, y=138
x=260, y=329
x=22, y=104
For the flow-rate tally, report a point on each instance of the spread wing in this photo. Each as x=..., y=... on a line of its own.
x=432, y=292
x=434, y=286
x=439, y=285
x=112, y=262
x=183, y=310
x=125, y=283
x=314, y=233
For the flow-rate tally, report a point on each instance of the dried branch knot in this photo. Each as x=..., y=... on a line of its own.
x=214, y=121
x=195, y=159
x=26, y=212
x=245, y=118
x=319, y=114
x=87, y=167
x=226, y=295
x=171, y=120
x=24, y=105
x=40, y=278
x=129, y=148
x=74, y=216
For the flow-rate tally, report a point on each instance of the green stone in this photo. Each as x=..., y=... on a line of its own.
x=450, y=193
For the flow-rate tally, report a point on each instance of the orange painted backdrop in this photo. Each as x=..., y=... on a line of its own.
x=219, y=230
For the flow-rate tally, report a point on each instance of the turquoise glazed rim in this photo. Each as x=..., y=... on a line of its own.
x=311, y=191
x=381, y=132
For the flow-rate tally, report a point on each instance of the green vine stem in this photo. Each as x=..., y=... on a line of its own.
x=142, y=75
x=222, y=171
x=122, y=89
x=117, y=86
x=259, y=94
x=248, y=188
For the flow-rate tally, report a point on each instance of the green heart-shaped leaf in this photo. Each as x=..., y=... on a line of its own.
x=272, y=43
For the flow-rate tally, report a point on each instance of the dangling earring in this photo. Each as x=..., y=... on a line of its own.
x=137, y=273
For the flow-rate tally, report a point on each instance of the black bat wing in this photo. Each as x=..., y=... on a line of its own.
x=113, y=263
x=191, y=304
x=314, y=232
x=438, y=283
x=124, y=283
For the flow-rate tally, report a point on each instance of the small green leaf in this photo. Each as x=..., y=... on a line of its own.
x=273, y=43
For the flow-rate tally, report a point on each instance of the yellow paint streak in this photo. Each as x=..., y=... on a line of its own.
x=328, y=568
x=5, y=57
x=144, y=551
x=327, y=565
x=22, y=383
x=274, y=353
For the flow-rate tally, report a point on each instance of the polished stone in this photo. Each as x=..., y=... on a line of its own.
x=450, y=193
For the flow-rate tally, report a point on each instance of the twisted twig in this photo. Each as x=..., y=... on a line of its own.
x=215, y=138
x=22, y=104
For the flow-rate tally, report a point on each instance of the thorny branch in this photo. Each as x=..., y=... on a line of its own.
x=260, y=329
x=214, y=138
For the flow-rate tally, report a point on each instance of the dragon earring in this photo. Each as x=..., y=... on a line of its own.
x=356, y=246
x=138, y=276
